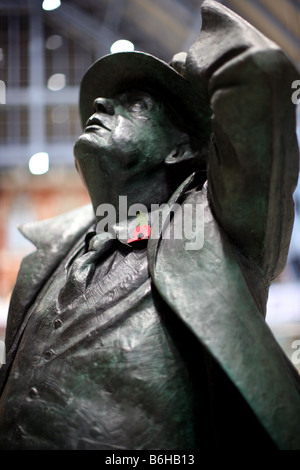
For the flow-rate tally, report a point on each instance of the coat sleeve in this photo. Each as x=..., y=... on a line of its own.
x=253, y=157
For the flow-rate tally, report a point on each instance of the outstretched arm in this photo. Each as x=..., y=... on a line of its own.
x=253, y=160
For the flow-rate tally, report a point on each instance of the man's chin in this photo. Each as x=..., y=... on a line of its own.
x=87, y=144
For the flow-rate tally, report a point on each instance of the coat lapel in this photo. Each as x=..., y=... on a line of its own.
x=53, y=239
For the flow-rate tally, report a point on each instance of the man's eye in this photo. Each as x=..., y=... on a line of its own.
x=137, y=103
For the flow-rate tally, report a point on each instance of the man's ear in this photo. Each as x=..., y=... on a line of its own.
x=181, y=162
x=180, y=154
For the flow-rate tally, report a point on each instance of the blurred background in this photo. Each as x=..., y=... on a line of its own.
x=45, y=48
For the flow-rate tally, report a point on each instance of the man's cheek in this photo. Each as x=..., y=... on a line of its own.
x=125, y=148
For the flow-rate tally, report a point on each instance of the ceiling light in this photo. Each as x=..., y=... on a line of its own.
x=50, y=4
x=122, y=45
x=60, y=114
x=39, y=163
x=56, y=82
x=54, y=42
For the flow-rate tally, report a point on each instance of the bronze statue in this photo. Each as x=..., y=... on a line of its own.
x=148, y=343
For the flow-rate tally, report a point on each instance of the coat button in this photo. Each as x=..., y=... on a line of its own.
x=58, y=323
x=19, y=433
x=33, y=392
x=48, y=354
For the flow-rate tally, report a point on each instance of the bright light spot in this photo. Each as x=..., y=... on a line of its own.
x=54, y=42
x=56, y=82
x=50, y=4
x=122, y=46
x=39, y=163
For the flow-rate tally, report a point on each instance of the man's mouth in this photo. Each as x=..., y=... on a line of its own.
x=93, y=123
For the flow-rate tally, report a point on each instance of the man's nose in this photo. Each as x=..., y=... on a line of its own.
x=104, y=105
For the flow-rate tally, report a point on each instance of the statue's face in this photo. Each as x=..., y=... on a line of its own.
x=123, y=147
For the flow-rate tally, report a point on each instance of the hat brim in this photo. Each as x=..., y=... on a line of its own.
x=116, y=73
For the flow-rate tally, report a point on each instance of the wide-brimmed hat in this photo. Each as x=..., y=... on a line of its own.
x=116, y=73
